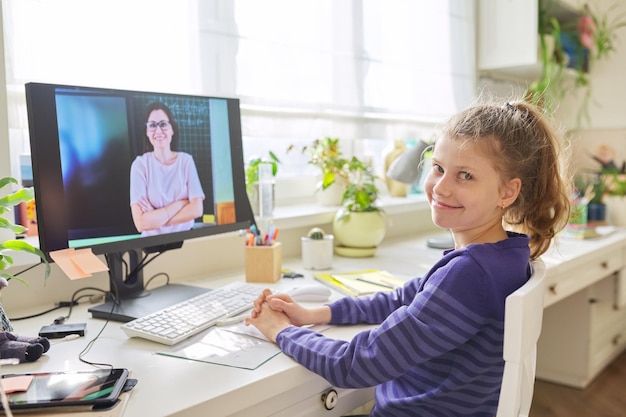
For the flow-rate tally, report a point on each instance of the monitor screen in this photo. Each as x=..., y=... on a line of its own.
x=127, y=173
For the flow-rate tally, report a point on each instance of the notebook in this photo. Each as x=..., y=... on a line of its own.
x=360, y=282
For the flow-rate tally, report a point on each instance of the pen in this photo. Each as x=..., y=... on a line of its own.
x=390, y=283
x=375, y=283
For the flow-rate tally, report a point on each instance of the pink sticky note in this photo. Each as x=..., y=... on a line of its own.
x=87, y=261
x=79, y=263
x=18, y=383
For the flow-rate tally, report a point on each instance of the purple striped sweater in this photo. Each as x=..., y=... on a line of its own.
x=437, y=350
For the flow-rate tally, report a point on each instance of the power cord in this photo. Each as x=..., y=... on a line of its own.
x=64, y=304
x=81, y=355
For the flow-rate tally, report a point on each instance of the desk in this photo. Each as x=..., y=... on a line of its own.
x=176, y=387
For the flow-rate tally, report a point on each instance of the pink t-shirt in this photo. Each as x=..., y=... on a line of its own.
x=163, y=184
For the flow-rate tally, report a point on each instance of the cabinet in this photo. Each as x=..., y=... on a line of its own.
x=584, y=324
x=508, y=39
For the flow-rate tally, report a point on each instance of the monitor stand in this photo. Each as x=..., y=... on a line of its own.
x=133, y=300
x=154, y=300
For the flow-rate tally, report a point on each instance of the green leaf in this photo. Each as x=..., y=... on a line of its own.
x=10, y=277
x=15, y=228
x=20, y=196
x=6, y=180
x=5, y=262
x=22, y=246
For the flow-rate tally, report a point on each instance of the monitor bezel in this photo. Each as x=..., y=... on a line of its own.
x=48, y=186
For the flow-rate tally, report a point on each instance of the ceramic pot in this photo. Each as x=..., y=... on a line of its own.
x=332, y=195
x=317, y=253
x=615, y=210
x=359, y=230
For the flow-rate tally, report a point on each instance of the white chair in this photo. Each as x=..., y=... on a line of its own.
x=522, y=326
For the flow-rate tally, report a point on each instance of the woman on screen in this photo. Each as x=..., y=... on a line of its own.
x=165, y=191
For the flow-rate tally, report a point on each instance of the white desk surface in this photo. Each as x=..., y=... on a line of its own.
x=172, y=386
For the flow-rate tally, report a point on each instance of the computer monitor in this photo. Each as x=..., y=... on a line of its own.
x=128, y=173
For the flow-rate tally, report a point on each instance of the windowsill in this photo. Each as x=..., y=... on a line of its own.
x=287, y=217
x=305, y=215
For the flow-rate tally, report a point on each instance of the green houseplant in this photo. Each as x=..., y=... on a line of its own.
x=252, y=177
x=325, y=154
x=615, y=197
x=252, y=168
x=6, y=204
x=359, y=225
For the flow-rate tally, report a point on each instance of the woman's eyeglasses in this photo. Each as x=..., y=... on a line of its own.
x=163, y=125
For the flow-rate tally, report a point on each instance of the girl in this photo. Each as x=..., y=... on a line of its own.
x=438, y=348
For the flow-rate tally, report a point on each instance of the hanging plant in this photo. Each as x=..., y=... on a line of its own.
x=577, y=46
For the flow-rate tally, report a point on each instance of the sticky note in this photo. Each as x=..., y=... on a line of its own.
x=81, y=263
x=19, y=383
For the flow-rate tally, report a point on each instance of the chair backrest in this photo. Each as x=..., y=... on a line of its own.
x=522, y=326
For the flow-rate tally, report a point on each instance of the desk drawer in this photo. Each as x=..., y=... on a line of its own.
x=566, y=283
x=605, y=347
x=608, y=325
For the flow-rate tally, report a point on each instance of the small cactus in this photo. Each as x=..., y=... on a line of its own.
x=316, y=234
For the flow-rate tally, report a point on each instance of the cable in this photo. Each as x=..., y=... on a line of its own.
x=3, y=395
x=37, y=314
x=74, y=301
x=26, y=270
x=167, y=278
x=92, y=341
x=63, y=304
x=142, y=264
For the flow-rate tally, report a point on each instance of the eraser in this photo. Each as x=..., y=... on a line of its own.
x=57, y=331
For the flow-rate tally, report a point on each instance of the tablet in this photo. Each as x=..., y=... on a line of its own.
x=77, y=390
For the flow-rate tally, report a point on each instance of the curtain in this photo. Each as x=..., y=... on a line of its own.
x=367, y=71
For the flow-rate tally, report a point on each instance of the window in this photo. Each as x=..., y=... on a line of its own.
x=368, y=71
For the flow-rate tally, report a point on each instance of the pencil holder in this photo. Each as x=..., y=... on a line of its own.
x=263, y=263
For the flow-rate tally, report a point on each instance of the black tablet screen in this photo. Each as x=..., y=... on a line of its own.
x=69, y=388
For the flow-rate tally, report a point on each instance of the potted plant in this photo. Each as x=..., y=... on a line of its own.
x=317, y=249
x=252, y=177
x=568, y=50
x=615, y=197
x=359, y=225
x=591, y=188
x=326, y=154
x=7, y=202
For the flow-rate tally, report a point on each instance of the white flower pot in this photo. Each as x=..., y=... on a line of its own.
x=331, y=196
x=317, y=253
x=615, y=210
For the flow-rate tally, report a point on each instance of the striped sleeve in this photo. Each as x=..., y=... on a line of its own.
x=445, y=313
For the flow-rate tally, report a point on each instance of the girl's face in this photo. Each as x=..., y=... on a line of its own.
x=159, y=130
x=465, y=191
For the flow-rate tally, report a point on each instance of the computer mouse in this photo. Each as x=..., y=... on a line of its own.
x=310, y=293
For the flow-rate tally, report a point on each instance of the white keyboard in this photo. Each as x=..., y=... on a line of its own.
x=187, y=318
